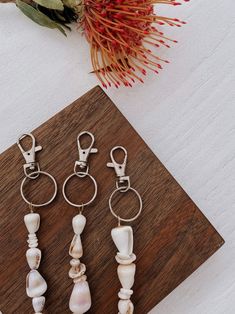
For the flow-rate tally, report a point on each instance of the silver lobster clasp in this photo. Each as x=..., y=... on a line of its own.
x=29, y=155
x=120, y=168
x=85, y=152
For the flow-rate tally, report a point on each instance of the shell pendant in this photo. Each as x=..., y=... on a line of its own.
x=80, y=300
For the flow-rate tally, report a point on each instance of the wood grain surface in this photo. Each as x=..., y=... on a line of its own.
x=172, y=238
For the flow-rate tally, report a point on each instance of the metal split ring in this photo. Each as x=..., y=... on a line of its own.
x=33, y=176
x=80, y=175
x=120, y=189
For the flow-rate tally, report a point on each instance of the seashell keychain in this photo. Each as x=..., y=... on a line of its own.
x=36, y=285
x=80, y=300
x=123, y=237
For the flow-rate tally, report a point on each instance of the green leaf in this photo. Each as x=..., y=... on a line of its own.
x=38, y=17
x=51, y=4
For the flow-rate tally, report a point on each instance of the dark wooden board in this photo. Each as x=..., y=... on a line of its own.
x=172, y=238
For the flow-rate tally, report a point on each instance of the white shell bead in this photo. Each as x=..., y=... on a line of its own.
x=77, y=271
x=75, y=262
x=125, y=307
x=126, y=275
x=123, y=239
x=80, y=300
x=79, y=222
x=76, y=250
x=32, y=222
x=78, y=279
x=32, y=240
x=124, y=261
x=36, y=285
x=38, y=304
x=125, y=294
x=33, y=257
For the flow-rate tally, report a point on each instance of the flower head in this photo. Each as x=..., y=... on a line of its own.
x=120, y=33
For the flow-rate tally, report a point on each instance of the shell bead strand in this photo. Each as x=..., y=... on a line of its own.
x=36, y=285
x=123, y=239
x=80, y=300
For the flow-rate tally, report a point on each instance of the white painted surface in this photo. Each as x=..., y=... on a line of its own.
x=186, y=115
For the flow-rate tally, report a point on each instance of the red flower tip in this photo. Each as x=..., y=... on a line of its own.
x=103, y=13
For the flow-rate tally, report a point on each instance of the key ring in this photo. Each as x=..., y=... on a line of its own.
x=32, y=168
x=83, y=165
x=122, y=183
x=80, y=175
x=33, y=176
x=120, y=189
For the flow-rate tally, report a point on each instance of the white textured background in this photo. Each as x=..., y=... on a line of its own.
x=186, y=115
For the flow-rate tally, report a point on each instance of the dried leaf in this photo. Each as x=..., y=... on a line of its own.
x=71, y=3
x=38, y=17
x=51, y=4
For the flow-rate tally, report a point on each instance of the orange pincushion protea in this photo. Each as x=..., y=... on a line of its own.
x=120, y=33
